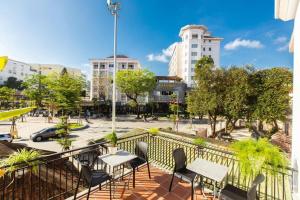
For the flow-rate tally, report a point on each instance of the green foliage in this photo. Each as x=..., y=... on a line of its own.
x=135, y=83
x=272, y=89
x=112, y=138
x=36, y=88
x=199, y=142
x=75, y=125
x=153, y=131
x=63, y=127
x=253, y=155
x=21, y=156
x=65, y=143
x=6, y=96
x=66, y=91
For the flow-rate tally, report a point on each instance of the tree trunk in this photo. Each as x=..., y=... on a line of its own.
x=138, y=110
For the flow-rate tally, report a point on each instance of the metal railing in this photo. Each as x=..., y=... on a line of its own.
x=56, y=176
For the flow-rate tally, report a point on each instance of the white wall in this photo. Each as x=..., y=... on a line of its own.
x=296, y=103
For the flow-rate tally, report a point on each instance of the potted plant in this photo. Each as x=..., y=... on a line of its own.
x=113, y=139
x=253, y=155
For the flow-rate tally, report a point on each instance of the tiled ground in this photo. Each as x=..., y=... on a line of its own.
x=155, y=188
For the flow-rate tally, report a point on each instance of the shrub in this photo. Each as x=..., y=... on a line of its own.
x=199, y=142
x=65, y=143
x=112, y=138
x=153, y=131
x=254, y=154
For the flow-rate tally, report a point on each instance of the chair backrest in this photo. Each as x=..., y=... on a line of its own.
x=141, y=150
x=86, y=172
x=251, y=194
x=89, y=155
x=179, y=158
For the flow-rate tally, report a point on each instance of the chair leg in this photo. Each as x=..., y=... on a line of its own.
x=149, y=171
x=110, y=189
x=77, y=186
x=192, y=190
x=133, y=181
x=171, y=182
x=88, y=195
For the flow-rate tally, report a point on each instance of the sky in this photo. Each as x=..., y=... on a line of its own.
x=70, y=32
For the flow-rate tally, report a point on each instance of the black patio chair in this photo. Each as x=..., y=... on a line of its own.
x=141, y=150
x=92, y=178
x=231, y=192
x=181, y=170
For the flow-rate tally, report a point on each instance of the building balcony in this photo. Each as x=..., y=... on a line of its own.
x=56, y=176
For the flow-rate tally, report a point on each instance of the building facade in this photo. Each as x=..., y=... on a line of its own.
x=47, y=69
x=166, y=87
x=196, y=42
x=102, y=73
x=16, y=69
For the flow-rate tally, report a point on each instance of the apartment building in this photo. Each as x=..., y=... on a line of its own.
x=17, y=69
x=102, y=73
x=196, y=42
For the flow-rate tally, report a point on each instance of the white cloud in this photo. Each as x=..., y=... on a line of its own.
x=254, y=44
x=164, y=56
x=281, y=39
x=283, y=48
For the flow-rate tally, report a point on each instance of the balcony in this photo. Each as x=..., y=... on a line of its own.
x=56, y=176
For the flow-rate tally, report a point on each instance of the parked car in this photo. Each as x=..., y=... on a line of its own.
x=44, y=134
x=6, y=137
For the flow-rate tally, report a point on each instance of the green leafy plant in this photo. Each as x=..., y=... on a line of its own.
x=253, y=155
x=21, y=156
x=63, y=127
x=65, y=143
x=112, y=138
x=199, y=142
x=153, y=131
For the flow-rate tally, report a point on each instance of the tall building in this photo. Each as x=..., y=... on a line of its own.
x=16, y=69
x=196, y=42
x=102, y=73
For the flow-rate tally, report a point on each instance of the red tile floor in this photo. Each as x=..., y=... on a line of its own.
x=155, y=188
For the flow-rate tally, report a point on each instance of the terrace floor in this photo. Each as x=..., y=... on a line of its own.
x=155, y=188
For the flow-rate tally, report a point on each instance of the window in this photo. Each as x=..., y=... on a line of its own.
x=193, y=69
x=102, y=66
x=194, y=45
x=195, y=36
x=209, y=49
x=9, y=71
x=130, y=66
x=209, y=56
x=95, y=65
x=166, y=93
x=192, y=78
x=185, y=62
x=194, y=61
x=111, y=65
x=209, y=40
x=194, y=53
x=203, y=48
x=123, y=66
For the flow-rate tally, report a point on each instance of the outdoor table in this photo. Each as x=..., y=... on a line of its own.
x=114, y=160
x=210, y=170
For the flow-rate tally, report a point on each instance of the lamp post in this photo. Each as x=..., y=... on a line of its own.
x=114, y=7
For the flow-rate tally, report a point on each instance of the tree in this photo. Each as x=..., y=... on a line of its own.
x=272, y=89
x=209, y=91
x=13, y=83
x=66, y=91
x=36, y=88
x=236, y=94
x=6, y=96
x=135, y=83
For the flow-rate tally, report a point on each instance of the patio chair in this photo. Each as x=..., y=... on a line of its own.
x=181, y=170
x=92, y=178
x=141, y=150
x=231, y=192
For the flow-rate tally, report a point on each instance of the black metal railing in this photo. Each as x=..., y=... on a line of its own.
x=56, y=176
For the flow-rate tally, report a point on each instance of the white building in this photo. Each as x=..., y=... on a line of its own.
x=290, y=10
x=47, y=69
x=17, y=69
x=102, y=73
x=196, y=43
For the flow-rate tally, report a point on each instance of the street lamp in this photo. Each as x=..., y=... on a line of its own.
x=114, y=7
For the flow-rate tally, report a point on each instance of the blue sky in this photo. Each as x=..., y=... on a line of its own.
x=70, y=32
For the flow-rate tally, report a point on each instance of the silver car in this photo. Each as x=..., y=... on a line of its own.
x=5, y=137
